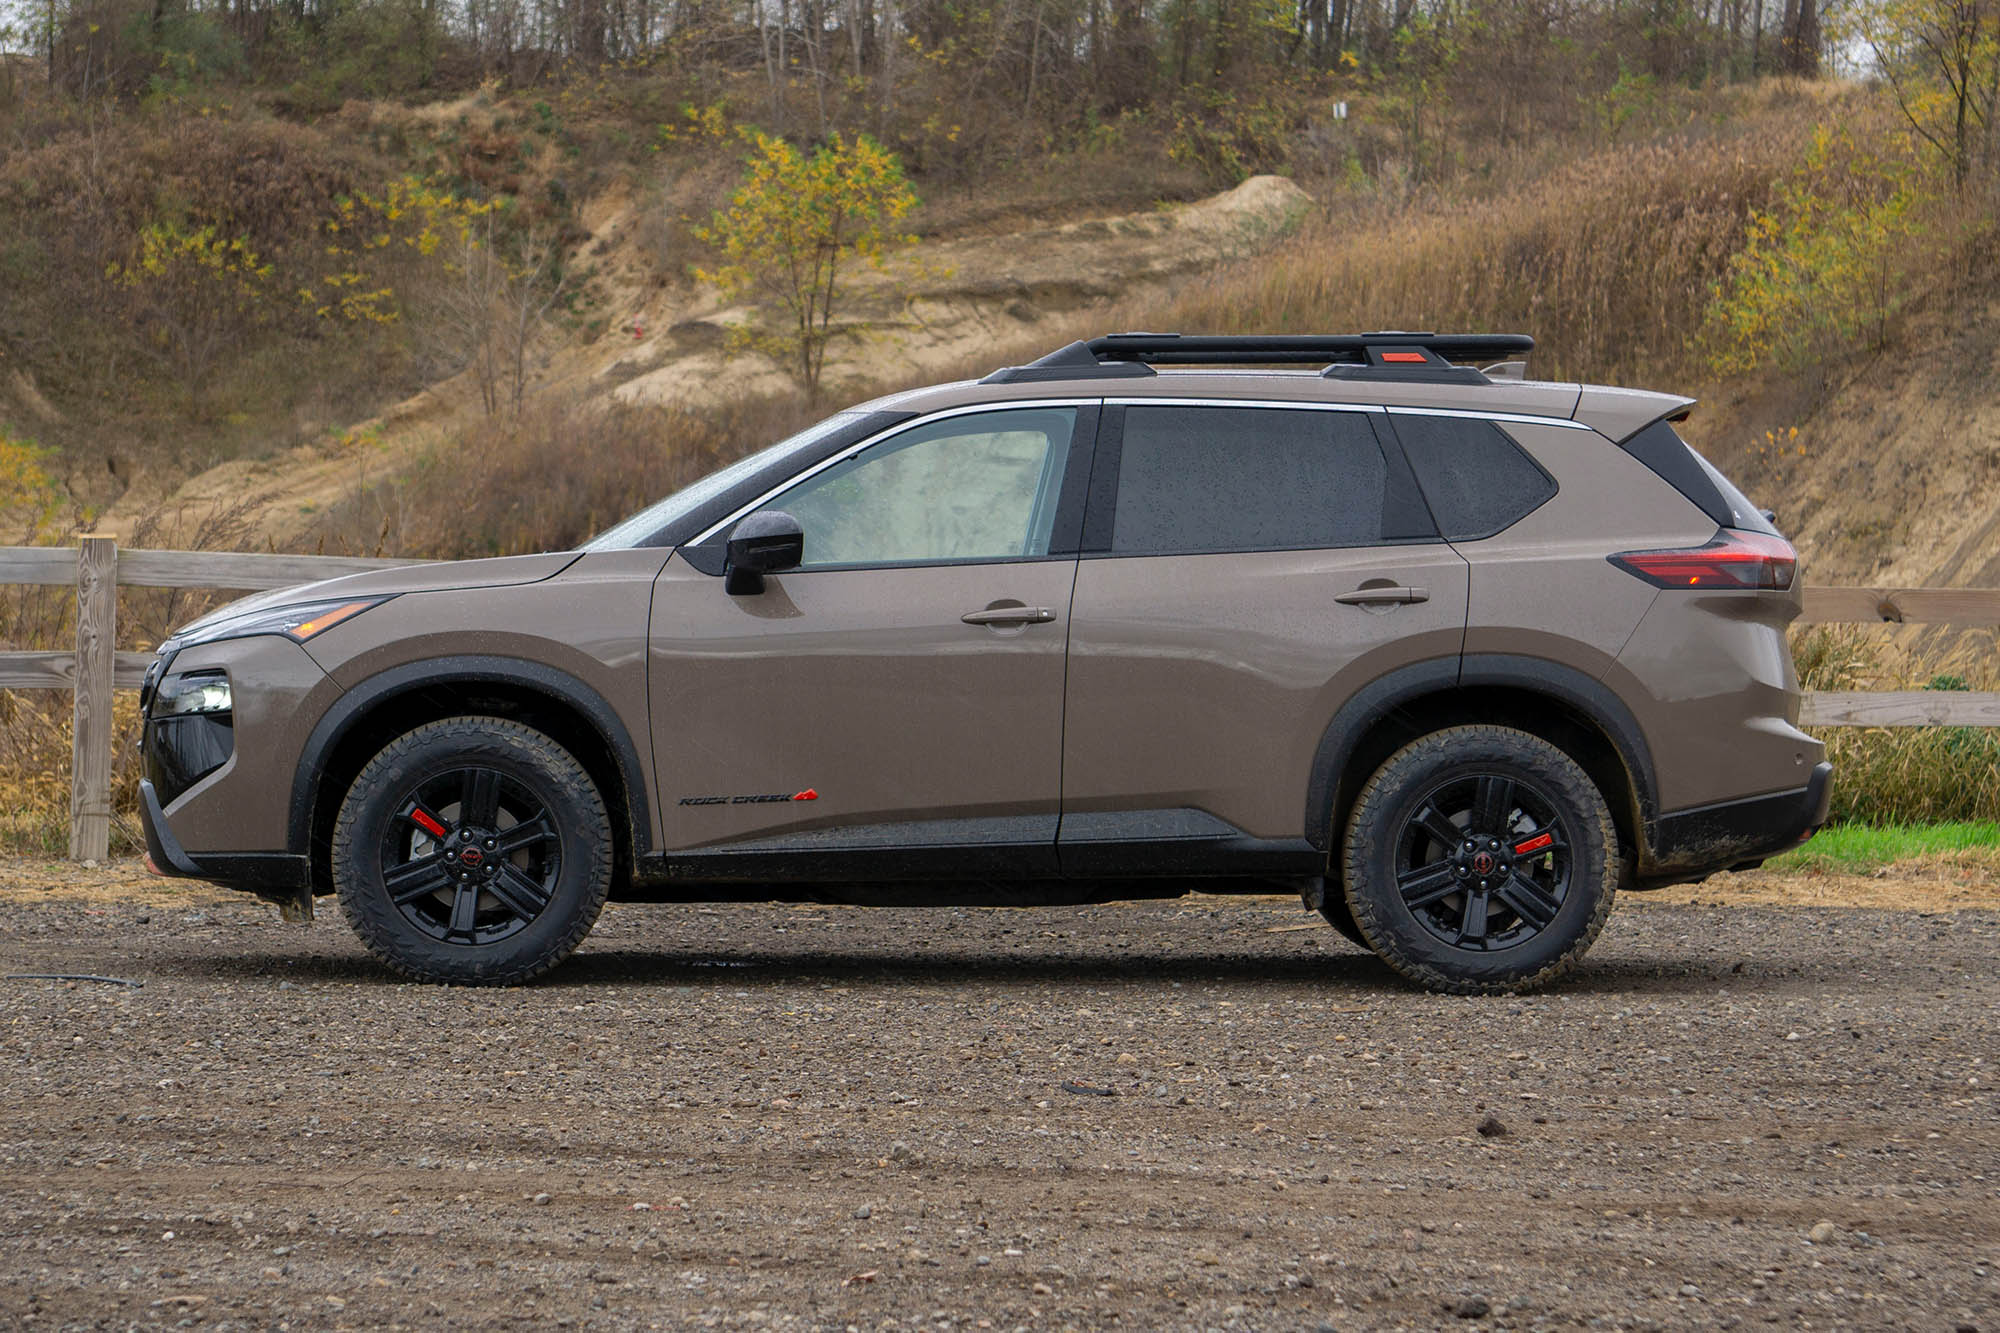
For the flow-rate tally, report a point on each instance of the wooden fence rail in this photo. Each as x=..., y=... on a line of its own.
x=97, y=568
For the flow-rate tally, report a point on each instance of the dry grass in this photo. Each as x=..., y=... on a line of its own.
x=1609, y=261
x=1899, y=775
x=551, y=477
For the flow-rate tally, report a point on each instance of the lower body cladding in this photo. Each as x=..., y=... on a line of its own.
x=1684, y=845
x=281, y=877
x=1078, y=859
x=1734, y=835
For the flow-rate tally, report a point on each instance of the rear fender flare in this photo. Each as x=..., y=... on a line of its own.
x=1588, y=698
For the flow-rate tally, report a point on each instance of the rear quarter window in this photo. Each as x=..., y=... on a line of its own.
x=1477, y=479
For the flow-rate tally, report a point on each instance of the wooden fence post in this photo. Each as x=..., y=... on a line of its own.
x=90, y=737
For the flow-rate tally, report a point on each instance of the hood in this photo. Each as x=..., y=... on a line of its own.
x=440, y=576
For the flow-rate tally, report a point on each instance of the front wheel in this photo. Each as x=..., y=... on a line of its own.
x=1480, y=860
x=473, y=850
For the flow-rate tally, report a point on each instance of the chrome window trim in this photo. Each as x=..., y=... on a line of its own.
x=1003, y=405
x=1522, y=418
x=1476, y=414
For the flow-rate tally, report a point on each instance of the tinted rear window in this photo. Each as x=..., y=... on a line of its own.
x=1478, y=481
x=1742, y=513
x=1661, y=448
x=1195, y=479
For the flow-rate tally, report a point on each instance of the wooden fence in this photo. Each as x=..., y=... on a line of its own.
x=98, y=568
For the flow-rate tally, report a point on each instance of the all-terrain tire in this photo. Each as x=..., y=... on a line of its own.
x=1333, y=906
x=1413, y=857
x=473, y=850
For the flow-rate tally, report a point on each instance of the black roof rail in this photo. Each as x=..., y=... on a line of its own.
x=1387, y=354
x=1077, y=361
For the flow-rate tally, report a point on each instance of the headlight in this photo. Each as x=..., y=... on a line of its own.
x=182, y=695
x=298, y=623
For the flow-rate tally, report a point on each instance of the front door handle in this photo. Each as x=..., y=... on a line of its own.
x=1009, y=615
x=1384, y=596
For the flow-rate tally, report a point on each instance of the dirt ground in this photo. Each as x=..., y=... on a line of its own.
x=1752, y=1107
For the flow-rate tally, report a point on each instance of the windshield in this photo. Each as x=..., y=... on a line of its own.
x=635, y=530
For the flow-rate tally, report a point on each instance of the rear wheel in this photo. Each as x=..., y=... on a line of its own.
x=1480, y=860
x=472, y=850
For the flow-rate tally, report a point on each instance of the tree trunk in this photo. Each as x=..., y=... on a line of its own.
x=1800, y=51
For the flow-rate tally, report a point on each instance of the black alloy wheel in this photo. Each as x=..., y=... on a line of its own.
x=474, y=850
x=473, y=856
x=1480, y=859
x=1484, y=861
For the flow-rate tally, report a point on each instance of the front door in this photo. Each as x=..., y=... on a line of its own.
x=1245, y=571
x=893, y=707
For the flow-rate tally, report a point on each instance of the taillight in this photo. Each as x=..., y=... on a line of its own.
x=1733, y=560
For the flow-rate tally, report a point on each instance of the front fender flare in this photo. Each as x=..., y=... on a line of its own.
x=470, y=669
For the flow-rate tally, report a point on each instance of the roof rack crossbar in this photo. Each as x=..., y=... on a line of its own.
x=1177, y=349
x=1386, y=354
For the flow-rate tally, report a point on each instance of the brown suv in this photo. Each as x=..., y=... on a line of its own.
x=1453, y=654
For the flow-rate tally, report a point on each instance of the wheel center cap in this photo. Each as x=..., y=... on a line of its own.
x=1483, y=862
x=472, y=856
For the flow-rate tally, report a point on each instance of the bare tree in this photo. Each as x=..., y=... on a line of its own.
x=487, y=308
x=1927, y=47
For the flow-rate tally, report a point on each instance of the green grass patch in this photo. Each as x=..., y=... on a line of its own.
x=1854, y=848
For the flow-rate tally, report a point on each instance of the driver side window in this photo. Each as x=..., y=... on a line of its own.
x=977, y=487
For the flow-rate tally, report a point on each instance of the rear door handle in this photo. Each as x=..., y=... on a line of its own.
x=1009, y=615
x=1384, y=596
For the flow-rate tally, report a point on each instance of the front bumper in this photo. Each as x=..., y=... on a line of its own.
x=282, y=877
x=1735, y=835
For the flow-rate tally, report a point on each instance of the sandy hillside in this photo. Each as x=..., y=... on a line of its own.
x=1893, y=477
x=936, y=304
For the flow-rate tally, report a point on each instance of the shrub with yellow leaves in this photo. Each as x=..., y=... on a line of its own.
x=200, y=291
x=29, y=496
x=1822, y=263
x=795, y=224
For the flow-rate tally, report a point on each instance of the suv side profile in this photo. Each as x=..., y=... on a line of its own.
x=1452, y=654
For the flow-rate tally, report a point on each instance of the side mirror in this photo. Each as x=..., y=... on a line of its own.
x=767, y=542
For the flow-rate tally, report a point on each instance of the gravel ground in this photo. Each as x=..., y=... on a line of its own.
x=1200, y=1113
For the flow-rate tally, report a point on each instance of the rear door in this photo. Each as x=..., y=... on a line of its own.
x=1245, y=569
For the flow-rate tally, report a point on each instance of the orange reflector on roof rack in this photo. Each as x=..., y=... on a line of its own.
x=1404, y=356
